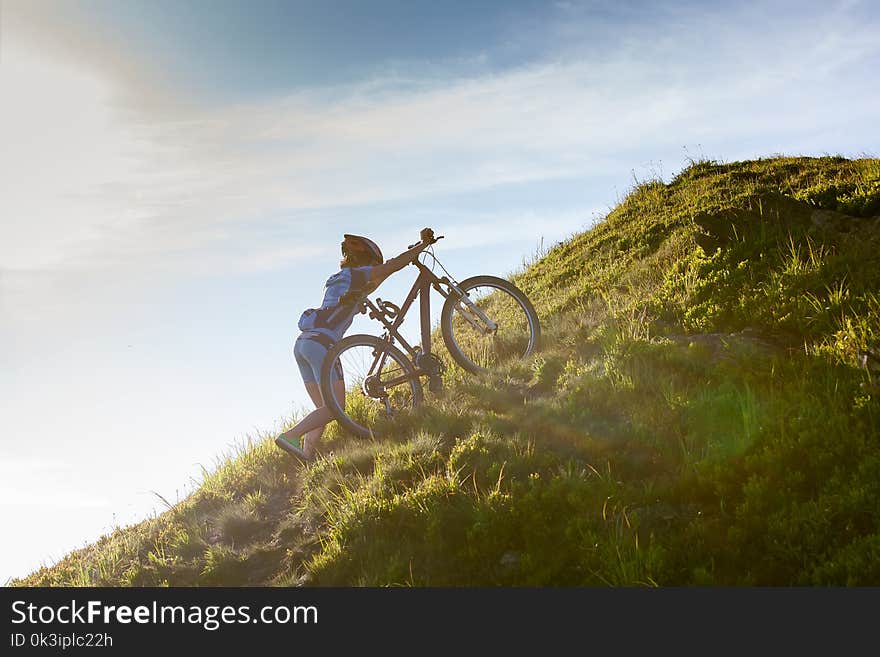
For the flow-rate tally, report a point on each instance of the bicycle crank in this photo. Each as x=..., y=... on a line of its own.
x=374, y=388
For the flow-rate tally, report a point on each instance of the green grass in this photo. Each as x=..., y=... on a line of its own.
x=702, y=412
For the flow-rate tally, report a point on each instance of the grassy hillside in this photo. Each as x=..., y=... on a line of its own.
x=705, y=411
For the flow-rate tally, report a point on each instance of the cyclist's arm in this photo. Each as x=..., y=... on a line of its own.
x=379, y=273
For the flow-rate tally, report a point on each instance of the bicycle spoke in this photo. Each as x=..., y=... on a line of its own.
x=379, y=383
x=478, y=341
x=492, y=323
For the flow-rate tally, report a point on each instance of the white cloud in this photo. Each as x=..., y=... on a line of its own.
x=18, y=475
x=90, y=185
x=487, y=229
x=107, y=176
x=60, y=143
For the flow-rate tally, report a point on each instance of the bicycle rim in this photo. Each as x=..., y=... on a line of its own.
x=503, y=326
x=380, y=385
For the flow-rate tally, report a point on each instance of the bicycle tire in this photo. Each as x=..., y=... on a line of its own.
x=520, y=346
x=355, y=416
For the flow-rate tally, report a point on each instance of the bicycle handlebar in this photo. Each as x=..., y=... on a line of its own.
x=427, y=238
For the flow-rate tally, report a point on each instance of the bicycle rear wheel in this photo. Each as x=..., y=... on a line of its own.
x=380, y=383
x=493, y=321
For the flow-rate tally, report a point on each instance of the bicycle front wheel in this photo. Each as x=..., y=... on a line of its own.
x=491, y=321
x=379, y=382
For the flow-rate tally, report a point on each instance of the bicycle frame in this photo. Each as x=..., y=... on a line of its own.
x=384, y=312
x=421, y=288
x=399, y=386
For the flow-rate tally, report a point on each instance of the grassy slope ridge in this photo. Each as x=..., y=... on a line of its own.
x=705, y=410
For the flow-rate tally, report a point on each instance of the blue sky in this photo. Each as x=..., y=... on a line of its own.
x=175, y=178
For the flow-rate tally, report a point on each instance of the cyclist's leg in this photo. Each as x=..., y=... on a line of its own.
x=314, y=390
x=313, y=438
x=310, y=356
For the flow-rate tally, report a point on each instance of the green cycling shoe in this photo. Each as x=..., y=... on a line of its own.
x=290, y=448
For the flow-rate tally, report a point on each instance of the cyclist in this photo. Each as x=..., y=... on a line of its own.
x=362, y=270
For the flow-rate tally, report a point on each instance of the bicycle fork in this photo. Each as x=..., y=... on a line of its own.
x=469, y=309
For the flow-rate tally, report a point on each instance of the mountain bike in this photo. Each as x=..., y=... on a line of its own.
x=485, y=321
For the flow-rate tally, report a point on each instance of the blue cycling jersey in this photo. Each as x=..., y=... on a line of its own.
x=342, y=292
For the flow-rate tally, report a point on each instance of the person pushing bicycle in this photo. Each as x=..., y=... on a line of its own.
x=362, y=270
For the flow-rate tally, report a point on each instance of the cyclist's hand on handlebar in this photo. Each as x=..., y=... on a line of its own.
x=426, y=238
